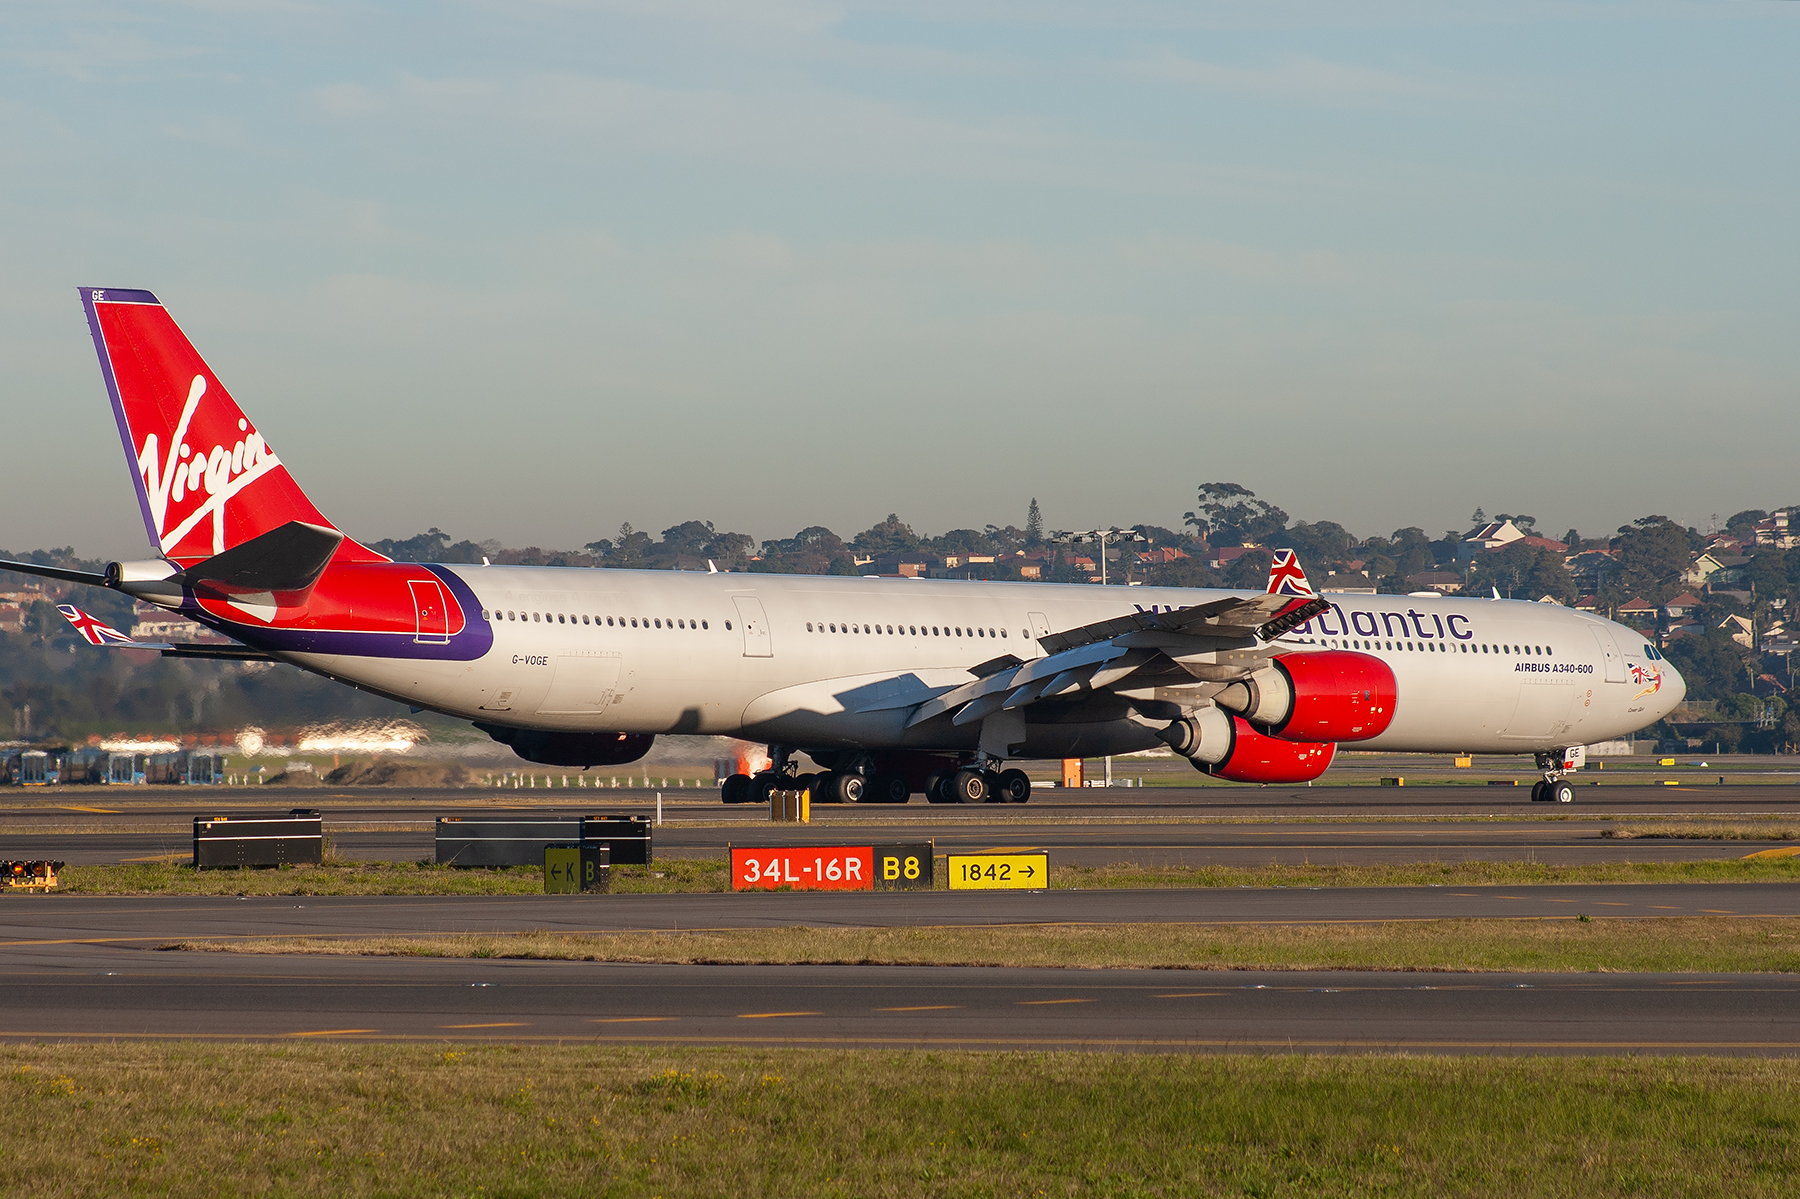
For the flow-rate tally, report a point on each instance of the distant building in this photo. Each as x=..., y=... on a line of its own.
x=1681, y=605
x=12, y=618
x=1740, y=630
x=1444, y=582
x=1496, y=534
x=1638, y=609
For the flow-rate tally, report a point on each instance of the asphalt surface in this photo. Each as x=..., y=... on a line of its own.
x=32, y=922
x=1149, y=826
x=115, y=994
x=88, y=967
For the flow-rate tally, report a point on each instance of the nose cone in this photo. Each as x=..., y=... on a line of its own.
x=1673, y=691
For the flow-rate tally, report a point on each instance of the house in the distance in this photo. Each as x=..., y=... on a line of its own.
x=1495, y=535
x=1444, y=582
x=1681, y=605
x=1637, y=610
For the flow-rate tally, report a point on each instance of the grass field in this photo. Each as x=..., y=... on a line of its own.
x=710, y=874
x=443, y=1119
x=1680, y=944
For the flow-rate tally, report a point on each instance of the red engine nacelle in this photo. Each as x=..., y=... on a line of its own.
x=1331, y=695
x=1229, y=747
x=1255, y=758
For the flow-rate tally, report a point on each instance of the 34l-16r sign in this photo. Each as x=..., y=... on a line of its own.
x=832, y=867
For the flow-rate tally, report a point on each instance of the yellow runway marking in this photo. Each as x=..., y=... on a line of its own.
x=1717, y=912
x=1042, y=1002
x=512, y=1025
x=1607, y=903
x=628, y=1019
x=159, y=857
x=1192, y=995
x=97, y=811
x=930, y=1007
x=771, y=1015
x=334, y=1032
x=1786, y=851
x=1663, y=907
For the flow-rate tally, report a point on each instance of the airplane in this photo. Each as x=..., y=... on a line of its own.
x=894, y=686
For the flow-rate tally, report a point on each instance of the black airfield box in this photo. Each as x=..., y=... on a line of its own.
x=272, y=840
x=515, y=840
x=628, y=837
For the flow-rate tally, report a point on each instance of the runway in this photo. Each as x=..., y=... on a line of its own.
x=116, y=994
x=90, y=967
x=1147, y=826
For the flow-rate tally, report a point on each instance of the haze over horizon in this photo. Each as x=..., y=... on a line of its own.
x=524, y=272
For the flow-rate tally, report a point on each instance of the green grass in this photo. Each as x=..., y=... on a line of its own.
x=1707, y=830
x=671, y=875
x=442, y=1119
x=375, y=878
x=1677, y=944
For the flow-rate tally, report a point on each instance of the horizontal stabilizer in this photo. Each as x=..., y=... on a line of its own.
x=96, y=632
x=286, y=560
x=55, y=572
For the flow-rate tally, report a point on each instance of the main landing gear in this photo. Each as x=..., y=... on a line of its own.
x=856, y=779
x=971, y=784
x=1555, y=788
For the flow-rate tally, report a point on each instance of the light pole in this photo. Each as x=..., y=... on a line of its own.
x=1100, y=536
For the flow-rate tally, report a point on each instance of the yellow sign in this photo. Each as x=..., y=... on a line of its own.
x=999, y=871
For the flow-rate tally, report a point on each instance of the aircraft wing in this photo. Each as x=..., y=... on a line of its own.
x=1214, y=642
x=96, y=632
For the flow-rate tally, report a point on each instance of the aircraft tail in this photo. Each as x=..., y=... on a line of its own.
x=206, y=479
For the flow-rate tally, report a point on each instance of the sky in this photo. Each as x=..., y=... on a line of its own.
x=527, y=270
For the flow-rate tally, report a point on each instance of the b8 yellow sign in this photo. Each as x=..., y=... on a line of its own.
x=998, y=871
x=903, y=867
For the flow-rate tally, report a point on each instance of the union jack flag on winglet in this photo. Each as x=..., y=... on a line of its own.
x=1286, y=577
x=91, y=628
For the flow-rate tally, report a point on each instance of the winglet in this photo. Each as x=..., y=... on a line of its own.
x=1286, y=577
x=92, y=630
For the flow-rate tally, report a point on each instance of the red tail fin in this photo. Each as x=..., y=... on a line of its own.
x=206, y=479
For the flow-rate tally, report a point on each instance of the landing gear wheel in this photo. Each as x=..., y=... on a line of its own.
x=1560, y=792
x=845, y=788
x=970, y=786
x=1014, y=787
x=934, y=788
x=887, y=786
x=736, y=789
x=1537, y=792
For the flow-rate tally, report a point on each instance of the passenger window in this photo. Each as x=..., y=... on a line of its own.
x=834, y=628
x=728, y=626
x=484, y=614
x=809, y=626
x=634, y=622
x=704, y=626
x=559, y=618
x=1002, y=634
x=609, y=622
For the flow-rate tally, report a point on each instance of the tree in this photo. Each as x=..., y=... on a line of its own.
x=1712, y=665
x=689, y=537
x=729, y=549
x=1525, y=572
x=1320, y=544
x=891, y=536
x=630, y=548
x=1232, y=515
x=1034, y=524
x=962, y=541
x=1479, y=519
x=1572, y=539
x=1742, y=522
x=1653, y=551
x=1412, y=548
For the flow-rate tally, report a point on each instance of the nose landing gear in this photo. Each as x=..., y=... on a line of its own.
x=1555, y=788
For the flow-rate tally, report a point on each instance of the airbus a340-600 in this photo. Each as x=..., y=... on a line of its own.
x=894, y=686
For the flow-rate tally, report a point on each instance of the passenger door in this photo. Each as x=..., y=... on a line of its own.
x=430, y=611
x=757, y=641
x=1609, y=650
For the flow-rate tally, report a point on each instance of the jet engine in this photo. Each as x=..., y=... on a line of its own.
x=1331, y=695
x=571, y=749
x=1227, y=747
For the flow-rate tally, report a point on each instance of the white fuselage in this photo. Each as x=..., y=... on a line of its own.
x=672, y=652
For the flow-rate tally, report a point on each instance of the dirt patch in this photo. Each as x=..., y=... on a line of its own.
x=398, y=772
